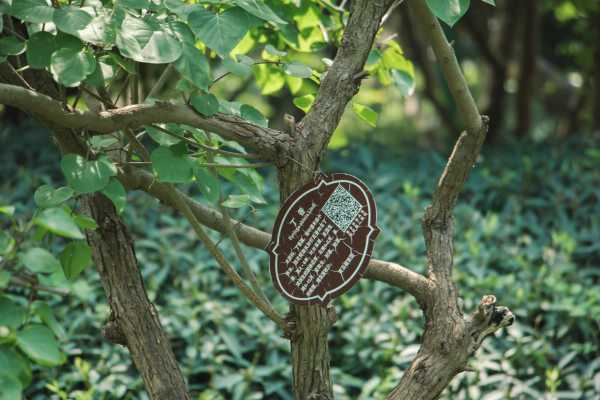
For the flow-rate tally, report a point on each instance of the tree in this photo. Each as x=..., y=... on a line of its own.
x=90, y=83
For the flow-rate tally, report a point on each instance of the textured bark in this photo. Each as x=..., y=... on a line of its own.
x=527, y=73
x=310, y=351
x=134, y=320
x=450, y=338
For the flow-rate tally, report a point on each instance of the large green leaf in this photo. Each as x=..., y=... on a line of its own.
x=11, y=46
x=172, y=164
x=36, y=11
x=87, y=176
x=147, y=40
x=259, y=9
x=14, y=364
x=192, y=64
x=365, y=113
x=162, y=138
x=57, y=220
x=304, y=102
x=449, y=11
x=39, y=344
x=7, y=243
x=11, y=314
x=46, y=196
x=205, y=104
x=221, y=32
x=43, y=310
x=297, y=69
x=95, y=28
x=74, y=258
x=69, y=66
x=252, y=114
x=404, y=81
x=116, y=193
x=37, y=259
x=209, y=184
x=10, y=387
x=40, y=47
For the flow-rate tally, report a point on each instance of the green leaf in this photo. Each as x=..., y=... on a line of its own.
x=40, y=47
x=220, y=32
x=71, y=19
x=180, y=8
x=272, y=50
x=449, y=11
x=242, y=70
x=11, y=46
x=162, y=138
x=96, y=29
x=58, y=221
x=12, y=315
x=74, y=258
x=269, y=79
x=171, y=164
x=205, y=104
x=208, y=183
x=136, y=4
x=192, y=64
x=490, y=2
x=252, y=114
x=236, y=201
x=7, y=243
x=85, y=222
x=4, y=278
x=404, y=81
x=116, y=193
x=7, y=210
x=365, y=113
x=39, y=260
x=261, y=10
x=36, y=11
x=146, y=40
x=87, y=176
x=69, y=66
x=43, y=310
x=297, y=69
x=46, y=196
x=10, y=387
x=39, y=344
x=14, y=364
x=304, y=102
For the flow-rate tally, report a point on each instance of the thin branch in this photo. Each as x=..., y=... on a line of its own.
x=391, y=273
x=469, y=144
x=31, y=284
x=247, y=271
x=182, y=206
x=268, y=143
x=164, y=77
x=203, y=146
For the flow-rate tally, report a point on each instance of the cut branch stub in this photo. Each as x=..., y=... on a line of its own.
x=323, y=239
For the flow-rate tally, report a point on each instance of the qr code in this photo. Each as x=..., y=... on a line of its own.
x=341, y=208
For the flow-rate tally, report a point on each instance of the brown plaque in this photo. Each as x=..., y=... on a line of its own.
x=322, y=239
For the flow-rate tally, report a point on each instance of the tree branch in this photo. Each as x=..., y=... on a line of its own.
x=269, y=143
x=391, y=273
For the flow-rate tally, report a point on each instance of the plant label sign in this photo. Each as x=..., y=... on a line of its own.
x=322, y=239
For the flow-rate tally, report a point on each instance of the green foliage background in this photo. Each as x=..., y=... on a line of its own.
x=527, y=230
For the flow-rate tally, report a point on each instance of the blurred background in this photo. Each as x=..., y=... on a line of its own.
x=527, y=225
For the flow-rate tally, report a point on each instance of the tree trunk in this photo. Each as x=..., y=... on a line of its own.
x=309, y=346
x=134, y=320
x=527, y=72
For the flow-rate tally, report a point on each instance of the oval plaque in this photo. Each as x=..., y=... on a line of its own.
x=322, y=239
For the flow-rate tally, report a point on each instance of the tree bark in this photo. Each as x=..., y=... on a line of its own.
x=527, y=73
x=134, y=321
